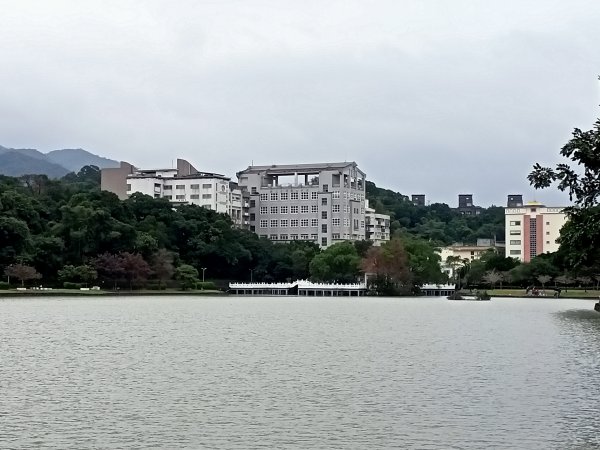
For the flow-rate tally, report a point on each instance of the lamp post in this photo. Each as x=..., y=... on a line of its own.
x=203, y=269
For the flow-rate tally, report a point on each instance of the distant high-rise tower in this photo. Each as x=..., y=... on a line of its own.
x=514, y=201
x=418, y=199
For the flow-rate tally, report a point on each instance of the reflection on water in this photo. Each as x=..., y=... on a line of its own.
x=299, y=373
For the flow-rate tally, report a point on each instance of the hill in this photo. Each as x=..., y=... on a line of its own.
x=55, y=164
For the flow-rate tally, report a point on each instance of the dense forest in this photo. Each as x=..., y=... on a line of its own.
x=69, y=233
x=436, y=222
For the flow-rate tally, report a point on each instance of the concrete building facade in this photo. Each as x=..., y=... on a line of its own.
x=323, y=203
x=181, y=185
x=532, y=229
x=377, y=226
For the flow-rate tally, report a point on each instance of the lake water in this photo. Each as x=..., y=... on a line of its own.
x=198, y=372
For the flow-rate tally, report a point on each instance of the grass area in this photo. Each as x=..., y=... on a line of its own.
x=570, y=293
x=96, y=293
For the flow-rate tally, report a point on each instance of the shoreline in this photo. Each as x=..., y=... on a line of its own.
x=72, y=293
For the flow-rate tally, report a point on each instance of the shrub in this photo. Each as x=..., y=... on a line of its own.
x=69, y=285
x=4, y=286
x=208, y=285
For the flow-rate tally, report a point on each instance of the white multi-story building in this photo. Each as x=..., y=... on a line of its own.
x=183, y=185
x=323, y=203
x=377, y=226
x=532, y=229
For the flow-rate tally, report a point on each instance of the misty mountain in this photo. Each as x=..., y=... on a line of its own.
x=55, y=164
x=15, y=164
x=75, y=159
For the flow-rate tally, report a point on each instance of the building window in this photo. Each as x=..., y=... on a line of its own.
x=304, y=237
x=294, y=209
x=252, y=216
x=284, y=223
x=335, y=222
x=323, y=214
x=324, y=242
x=128, y=186
x=304, y=209
x=515, y=232
x=263, y=210
x=180, y=186
x=514, y=223
x=194, y=196
x=314, y=237
x=314, y=222
x=273, y=196
x=324, y=228
x=362, y=223
x=180, y=197
x=517, y=242
x=264, y=197
x=547, y=223
x=294, y=237
x=264, y=223
x=515, y=252
x=335, y=208
x=335, y=194
x=304, y=195
x=206, y=186
x=283, y=210
x=294, y=223
x=194, y=186
x=314, y=195
x=325, y=188
x=533, y=209
x=547, y=242
x=253, y=190
x=206, y=195
x=274, y=209
x=547, y=233
x=335, y=236
x=294, y=196
x=314, y=209
x=284, y=196
x=346, y=222
x=166, y=188
x=283, y=237
x=304, y=222
x=324, y=201
x=274, y=223
x=168, y=197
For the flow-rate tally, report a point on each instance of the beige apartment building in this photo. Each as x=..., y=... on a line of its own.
x=377, y=226
x=532, y=229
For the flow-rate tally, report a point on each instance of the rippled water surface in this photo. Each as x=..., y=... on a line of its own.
x=185, y=372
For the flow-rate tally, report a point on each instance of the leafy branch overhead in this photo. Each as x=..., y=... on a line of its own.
x=581, y=179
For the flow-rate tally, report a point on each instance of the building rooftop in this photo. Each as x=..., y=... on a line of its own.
x=291, y=169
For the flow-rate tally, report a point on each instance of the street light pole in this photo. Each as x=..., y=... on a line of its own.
x=203, y=269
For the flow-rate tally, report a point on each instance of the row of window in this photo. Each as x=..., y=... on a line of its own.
x=182, y=186
x=192, y=196
x=514, y=223
x=290, y=237
x=283, y=223
x=305, y=195
x=302, y=209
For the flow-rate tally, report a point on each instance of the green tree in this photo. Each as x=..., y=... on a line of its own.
x=187, y=275
x=338, y=263
x=580, y=237
x=77, y=274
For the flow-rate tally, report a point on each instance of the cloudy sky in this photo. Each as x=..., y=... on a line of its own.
x=436, y=97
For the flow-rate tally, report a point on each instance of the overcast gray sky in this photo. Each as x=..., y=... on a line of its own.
x=434, y=97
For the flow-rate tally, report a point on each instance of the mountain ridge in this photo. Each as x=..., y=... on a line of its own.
x=55, y=164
